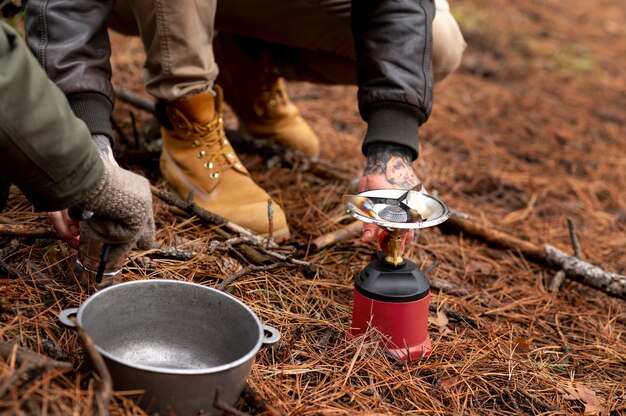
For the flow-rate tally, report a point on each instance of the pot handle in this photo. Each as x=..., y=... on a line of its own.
x=271, y=335
x=65, y=316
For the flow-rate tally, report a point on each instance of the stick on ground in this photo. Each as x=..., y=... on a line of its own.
x=588, y=274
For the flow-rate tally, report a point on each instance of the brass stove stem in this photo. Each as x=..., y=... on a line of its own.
x=394, y=256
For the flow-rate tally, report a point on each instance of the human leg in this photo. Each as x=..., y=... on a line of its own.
x=311, y=40
x=448, y=42
x=299, y=40
x=197, y=159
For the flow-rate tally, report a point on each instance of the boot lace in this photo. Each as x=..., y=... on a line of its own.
x=210, y=140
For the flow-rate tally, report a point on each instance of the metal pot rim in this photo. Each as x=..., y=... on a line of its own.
x=209, y=370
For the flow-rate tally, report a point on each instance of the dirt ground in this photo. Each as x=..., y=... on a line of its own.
x=527, y=134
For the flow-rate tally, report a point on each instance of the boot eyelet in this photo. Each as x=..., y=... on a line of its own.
x=238, y=165
x=225, y=141
x=208, y=165
x=214, y=175
x=200, y=154
x=195, y=143
x=230, y=155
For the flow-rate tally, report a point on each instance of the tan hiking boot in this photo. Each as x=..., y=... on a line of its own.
x=259, y=98
x=198, y=158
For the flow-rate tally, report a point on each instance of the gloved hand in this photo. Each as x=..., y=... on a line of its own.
x=68, y=228
x=122, y=217
x=388, y=166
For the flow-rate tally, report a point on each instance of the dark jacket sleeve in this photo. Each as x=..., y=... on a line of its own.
x=393, y=41
x=71, y=42
x=44, y=149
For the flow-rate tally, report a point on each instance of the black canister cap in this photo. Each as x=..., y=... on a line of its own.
x=384, y=282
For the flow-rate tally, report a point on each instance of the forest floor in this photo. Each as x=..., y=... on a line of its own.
x=529, y=133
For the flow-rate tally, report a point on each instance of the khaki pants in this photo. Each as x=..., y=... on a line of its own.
x=314, y=44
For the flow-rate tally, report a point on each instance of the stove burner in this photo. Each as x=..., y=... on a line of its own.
x=393, y=213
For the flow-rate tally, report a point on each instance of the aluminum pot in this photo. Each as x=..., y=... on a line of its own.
x=179, y=342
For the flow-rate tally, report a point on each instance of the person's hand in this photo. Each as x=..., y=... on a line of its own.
x=388, y=166
x=121, y=204
x=68, y=228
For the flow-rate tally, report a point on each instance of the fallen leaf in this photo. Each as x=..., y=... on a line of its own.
x=522, y=346
x=478, y=266
x=441, y=321
x=450, y=381
x=593, y=404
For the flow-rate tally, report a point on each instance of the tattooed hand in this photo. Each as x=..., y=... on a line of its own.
x=388, y=166
x=67, y=227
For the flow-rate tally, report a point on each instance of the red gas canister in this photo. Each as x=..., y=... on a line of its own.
x=395, y=299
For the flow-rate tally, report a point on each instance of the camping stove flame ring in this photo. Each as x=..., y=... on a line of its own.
x=393, y=213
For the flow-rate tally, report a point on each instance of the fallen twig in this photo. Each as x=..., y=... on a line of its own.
x=245, y=271
x=134, y=99
x=452, y=315
x=336, y=236
x=9, y=351
x=210, y=217
x=280, y=154
x=21, y=230
x=611, y=283
x=447, y=287
x=255, y=401
x=559, y=277
x=27, y=362
x=105, y=387
x=225, y=407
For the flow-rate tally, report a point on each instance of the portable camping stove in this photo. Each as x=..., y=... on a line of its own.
x=391, y=293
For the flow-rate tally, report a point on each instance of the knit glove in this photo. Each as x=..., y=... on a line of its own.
x=122, y=217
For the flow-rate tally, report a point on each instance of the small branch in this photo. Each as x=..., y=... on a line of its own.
x=248, y=269
x=9, y=351
x=559, y=277
x=496, y=238
x=28, y=361
x=21, y=230
x=14, y=379
x=105, y=388
x=225, y=407
x=171, y=252
x=453, y=315
x=256, y=402
x=134, y=99
x=612, y=283
x=284, y=258
x=209, y=217
x=447, y=287
x=574, y=238
x=344, y=233
x=557, y=281
x=270, y=217
x=280, y=154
